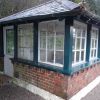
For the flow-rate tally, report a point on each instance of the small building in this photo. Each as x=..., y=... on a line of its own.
x=52, y=49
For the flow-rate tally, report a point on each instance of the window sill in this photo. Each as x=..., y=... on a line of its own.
x=40, y=65
x=51, y=64
x=78, y=64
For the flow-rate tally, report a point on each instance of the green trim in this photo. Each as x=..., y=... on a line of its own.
x=1, y=42
x=40, y=65
x=99, y=44
x=35, y=47
x=88, y=43
x=67, y=69
x=68, y=46
x=74, y=70
x=15, y=41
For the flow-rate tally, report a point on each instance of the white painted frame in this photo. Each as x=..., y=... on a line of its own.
x=4, y=36
x=55, y=64
x=8, y=66
x=93, y=58
x=83, y=26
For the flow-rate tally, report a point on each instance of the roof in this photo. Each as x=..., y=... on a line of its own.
x=51, y=7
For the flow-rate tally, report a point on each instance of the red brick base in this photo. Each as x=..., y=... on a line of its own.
x=56, y=83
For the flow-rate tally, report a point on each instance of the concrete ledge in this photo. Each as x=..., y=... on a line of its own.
x=82, y=93
x=45, y=94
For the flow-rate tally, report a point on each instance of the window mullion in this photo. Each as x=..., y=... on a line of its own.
x=80, y=46
x=75, y=48
x=54, y=47
x=46, y=45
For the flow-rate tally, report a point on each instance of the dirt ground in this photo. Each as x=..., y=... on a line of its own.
x=13, y=92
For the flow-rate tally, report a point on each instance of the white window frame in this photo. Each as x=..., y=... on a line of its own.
x=4, y=30
x=84, y=26
x=93, y=58
x=55, y=64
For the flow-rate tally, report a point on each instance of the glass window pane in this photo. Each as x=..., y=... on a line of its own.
x=50, y=56
x=77, y=56
x=83, y=43
x=20, y=52
x=83, y=33
x=78, y=33
x=42, y=33
x=50, y=34
x=92, y=53
x=59, y=57
x=95, y=43
x=82, y=55
x=73, y=43
x=42, y=42
x=10, y=42
x=50, y=41
x=27, y=53
x=59, y=42
x=92, y=43
x=78, y=43
x=43, y=55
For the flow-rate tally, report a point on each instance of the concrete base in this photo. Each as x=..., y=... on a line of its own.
x=46, y=95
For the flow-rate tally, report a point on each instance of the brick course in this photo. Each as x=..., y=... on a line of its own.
x=56, y=83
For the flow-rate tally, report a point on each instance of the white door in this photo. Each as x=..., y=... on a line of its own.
x=8, y=50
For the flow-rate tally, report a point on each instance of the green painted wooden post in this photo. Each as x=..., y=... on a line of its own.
x=15, y=41
x=68, y=46
x=1, y=42
x=35, y=49
x=99, y=45
x=88, y=43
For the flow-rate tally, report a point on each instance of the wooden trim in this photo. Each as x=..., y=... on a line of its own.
x=68, y=46
x=15, y=41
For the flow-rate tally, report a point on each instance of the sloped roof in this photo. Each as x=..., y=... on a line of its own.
x=51, y=7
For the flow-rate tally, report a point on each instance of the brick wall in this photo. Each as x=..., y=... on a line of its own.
x=82, y=78
x=56, y=83
x=1, y=63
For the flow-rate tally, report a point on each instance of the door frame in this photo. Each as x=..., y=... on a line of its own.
x=6, y=56
x=4, y=40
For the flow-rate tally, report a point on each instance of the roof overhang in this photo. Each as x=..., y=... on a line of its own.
x=52, y=9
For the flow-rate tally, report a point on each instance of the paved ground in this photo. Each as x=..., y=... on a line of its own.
x=94, y=94
x=13, y=92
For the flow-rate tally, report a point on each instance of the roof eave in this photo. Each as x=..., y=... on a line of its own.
x=74, y=12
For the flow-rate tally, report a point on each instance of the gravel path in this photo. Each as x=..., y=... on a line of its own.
x=13, y=92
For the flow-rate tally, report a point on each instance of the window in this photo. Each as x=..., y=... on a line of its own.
x=51, y=42
x=25, y=41
x=94, y=43
x=79, y=42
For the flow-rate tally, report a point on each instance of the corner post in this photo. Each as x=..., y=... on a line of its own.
x=68, y=45
x=99, y=44
x=15, y=41
x=89, y=26
x=1, y=42
x=35, y=42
